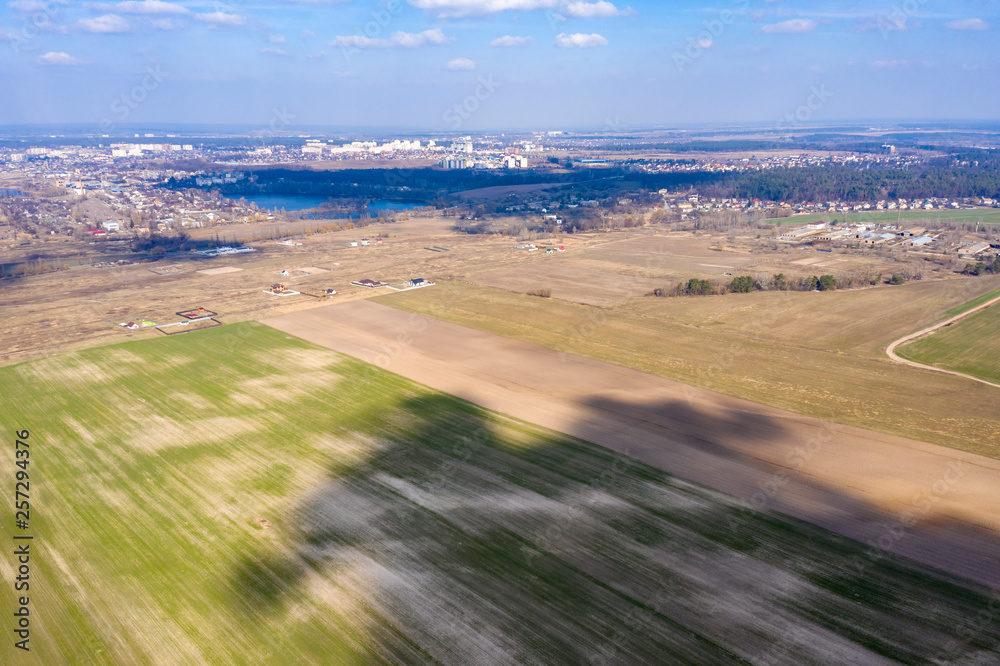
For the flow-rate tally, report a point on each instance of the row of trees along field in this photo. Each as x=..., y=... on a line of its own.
x=983, y=267
x=744, y=284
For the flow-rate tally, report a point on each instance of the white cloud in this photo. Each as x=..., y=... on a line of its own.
x=576, y=8
x=404, y=39
x=414, y=39
x=508, y=41
x=306, y=35
x=222, y=19
x=598, y=9
x=580, y=41
x=447, y=8
x=163, y=23
x=889, y=64
x=317, y=55
x=790, y=27
x=277, y=52
x=967, y=24
x=884, y=22
x=107, y=24
x=459, y=64
x=147, y=7
x=58, y=58
x=276, y=39
x=30, y=6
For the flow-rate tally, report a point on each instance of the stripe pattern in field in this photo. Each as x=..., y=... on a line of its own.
x=240, y=496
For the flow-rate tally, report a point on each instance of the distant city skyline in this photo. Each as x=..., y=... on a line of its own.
x=473, y=65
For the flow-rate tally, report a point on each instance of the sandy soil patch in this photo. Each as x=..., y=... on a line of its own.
x=222, y=270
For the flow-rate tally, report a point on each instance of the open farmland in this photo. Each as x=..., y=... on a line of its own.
x=950, y=216
x=567, y=282
x=813, y=353
x=677, y=257
x=970, y=345
x=239, y=496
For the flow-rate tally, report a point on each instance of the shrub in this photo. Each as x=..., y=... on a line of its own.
x=541, y=293
x=977, y=268
x=897, y=279
x=827, y=283
x=741, y=285
x=698, y=287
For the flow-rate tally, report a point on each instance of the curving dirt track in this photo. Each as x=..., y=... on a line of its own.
x=891, y=349
x=929, y=503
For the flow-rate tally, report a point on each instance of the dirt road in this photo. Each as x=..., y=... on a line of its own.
x=932, y=504
x=891, y=349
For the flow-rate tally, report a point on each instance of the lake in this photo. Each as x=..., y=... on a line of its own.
x=303, y=202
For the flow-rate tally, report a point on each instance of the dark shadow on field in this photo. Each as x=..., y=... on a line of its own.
x=466, y=548
x=712, y=432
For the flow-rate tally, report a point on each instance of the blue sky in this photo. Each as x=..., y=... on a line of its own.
x=484, y=64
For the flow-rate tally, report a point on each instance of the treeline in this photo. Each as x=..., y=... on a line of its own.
x=837, y=183
x=968, y=173
x=745, y=284
x=421, y=185
x=983, y=267
x=24, y=269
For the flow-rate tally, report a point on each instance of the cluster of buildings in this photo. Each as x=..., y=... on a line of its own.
x=768, y=162
x=685, y=202
x=485, y=162
x=319, y=147
x=971, y=245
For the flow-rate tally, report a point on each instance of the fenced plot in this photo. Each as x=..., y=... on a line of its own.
x=132, y=322
x=197, y=313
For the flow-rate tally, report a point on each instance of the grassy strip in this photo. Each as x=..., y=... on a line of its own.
x=971, y=346
x=986, y=215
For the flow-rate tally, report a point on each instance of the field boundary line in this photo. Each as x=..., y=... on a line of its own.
x=890, y=349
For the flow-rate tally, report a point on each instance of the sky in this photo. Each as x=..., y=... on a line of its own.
x=473, y=65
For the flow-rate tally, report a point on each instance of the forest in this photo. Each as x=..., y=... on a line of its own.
x=967, y=174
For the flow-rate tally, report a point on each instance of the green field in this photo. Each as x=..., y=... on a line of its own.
x=965, y=307
x=237, y=496
x=923, y=217
x=813, y=353
x=970, y=345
